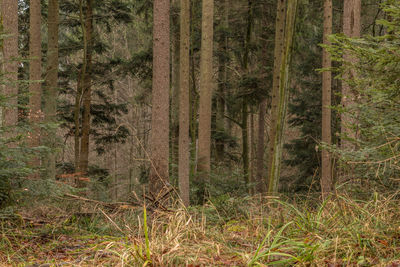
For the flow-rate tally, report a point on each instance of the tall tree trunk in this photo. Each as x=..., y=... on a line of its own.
x=280, y=90
x=184, y=86
x=194, y=102
x=222, y=82
x=159, y=143
x=245, y=112
x=77, y=114
x=275, y=96
x=35, y=74
x=326, y=177
x=193, y=98
x=351, y=28
x=9, y=16
x=252, y=154
x=51, y=87
x=260, y=147
x=206, y=84
x=245, y=141
x=87, y=90
x=175, y=40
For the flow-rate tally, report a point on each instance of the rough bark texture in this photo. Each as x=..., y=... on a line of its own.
x=184, y=155
x=206, y=84
x=159, y=142
x=35, y=74
x=326, y=177
x=51, y=87
x=280, y=93
x=9, y=15
x=87, y=90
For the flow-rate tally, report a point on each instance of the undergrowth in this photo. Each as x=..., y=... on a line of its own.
x=252, y=231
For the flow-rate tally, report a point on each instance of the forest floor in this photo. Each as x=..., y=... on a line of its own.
x=227, y=231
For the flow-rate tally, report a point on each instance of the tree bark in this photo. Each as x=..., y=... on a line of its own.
x=280, y=90
x=35, y=75
x=159, y=175
x=87, y=90
x=260, y=147
x=184, y=86
x=206, y=84
x=245, y=112
x=351, y=28
x=9, y=15
x=222, y=81
x=51, y=87
x=278, y=52
x=326, y=177
x=245, y=142
x=175, y=80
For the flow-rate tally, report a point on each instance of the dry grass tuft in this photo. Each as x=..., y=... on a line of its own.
x=264, y=232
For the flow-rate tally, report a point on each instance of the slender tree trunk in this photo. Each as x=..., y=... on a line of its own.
x=193, y=101
x=184, y=156
x=79, y=89
x=206, y=84
x=245, y=141
x=159, y=143
x=35, y=75
x=77, y=124
x=87, y=90
x=245, y=112
x=51, y=88
x=175, y=39
x=222, y=82
x=326, y=177
x=260, y=147
x=252, y=154
x=280, y=94
x=9, y=16
x=275, y=96
x=351, y=28
x=193, y=119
